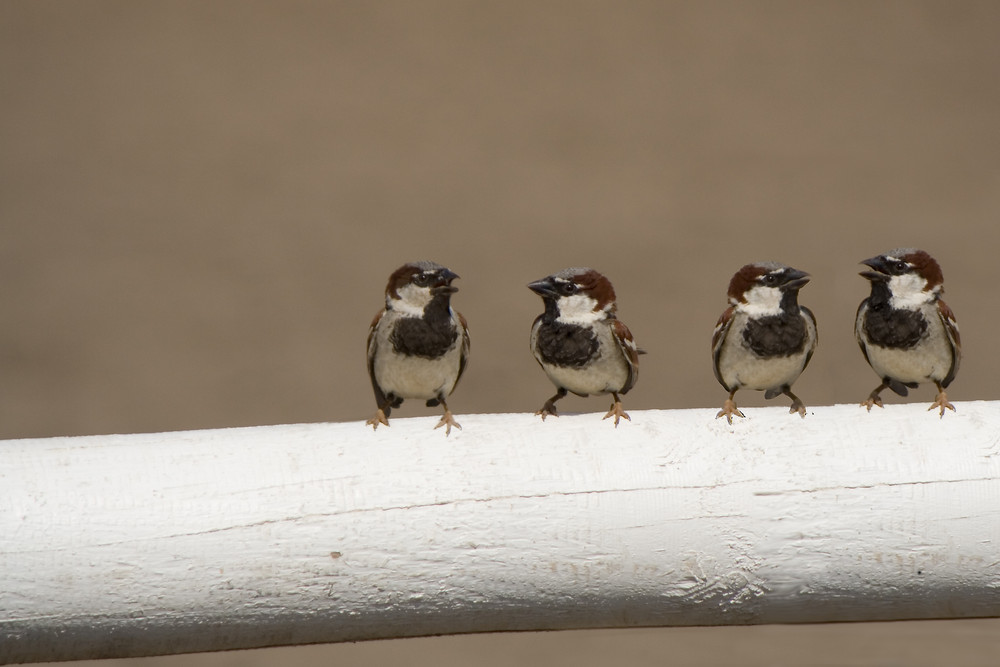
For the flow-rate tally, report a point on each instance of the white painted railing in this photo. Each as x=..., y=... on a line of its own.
x=134, y=545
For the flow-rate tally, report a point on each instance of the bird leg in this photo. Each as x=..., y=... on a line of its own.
x=385, y=405
x=550, y=405
x=380, y=418
x=874, y=398
x=617, y=410
x=941, y=400
x=729, y=408
x=797, y=404
x=447, y=420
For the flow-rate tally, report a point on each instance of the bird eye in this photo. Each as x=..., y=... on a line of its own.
x=901, y=266
x=770, y=279
x=570, y=288
x=422, y=279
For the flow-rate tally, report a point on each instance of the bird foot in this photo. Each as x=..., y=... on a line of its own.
x=618, y=411
x=941, y=401
x=448, y=420
x=379, y=418
x=548, y=409
x=873, y=399
x=798, y=406
x=728, y=410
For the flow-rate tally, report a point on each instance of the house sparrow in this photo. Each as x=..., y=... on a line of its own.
x=579, y=342
x=418, y=346
x=765, y=339
x=906, y=332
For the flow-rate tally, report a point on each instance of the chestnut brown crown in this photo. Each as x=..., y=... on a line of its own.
x=766, y=274
x=900, y=261
x=422, y=274
x=578, y=280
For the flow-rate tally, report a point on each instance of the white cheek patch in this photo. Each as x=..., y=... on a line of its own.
x=908, y=291
x=579, y=309
x=762, y=301
x=411, y=301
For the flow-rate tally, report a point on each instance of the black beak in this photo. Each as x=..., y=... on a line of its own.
x=443, y=283
x=794, y=279
x=880, y=273
x=543, y=288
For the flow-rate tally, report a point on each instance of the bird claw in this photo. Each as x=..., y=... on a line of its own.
x=448, y=420
x=618, y=411
x=799, y=407
x=379, y=418
x=548, y=409
x=728, y=410
x=874, y=399
x=941, y=401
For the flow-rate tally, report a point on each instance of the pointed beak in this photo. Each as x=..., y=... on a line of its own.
x=443, y=284
x=880, y=273
x=795, y=279
x=542, y=288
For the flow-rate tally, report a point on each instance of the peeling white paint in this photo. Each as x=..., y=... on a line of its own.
x=128, y=545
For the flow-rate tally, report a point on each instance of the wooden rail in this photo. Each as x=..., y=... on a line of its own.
x=134, y=545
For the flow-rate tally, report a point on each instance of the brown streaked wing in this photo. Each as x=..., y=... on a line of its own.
x=808, y=314
x=627, y=344
x=951, y=328
x=466, y=344
x=533, y=340
x=718, y=336
x=379, y=394
x=858, y=326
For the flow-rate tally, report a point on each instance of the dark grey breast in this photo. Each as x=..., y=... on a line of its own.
x=777, y=335
x=563, y=344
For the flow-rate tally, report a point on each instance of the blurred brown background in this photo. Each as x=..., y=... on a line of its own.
x=200, y=204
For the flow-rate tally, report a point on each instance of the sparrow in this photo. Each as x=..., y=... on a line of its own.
x=764, y=339
x=580, y=343
x=906, y=332
x=418, y=346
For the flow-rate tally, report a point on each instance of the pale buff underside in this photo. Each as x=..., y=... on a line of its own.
x=605, y=375
x=741, y=368
x=930, y=360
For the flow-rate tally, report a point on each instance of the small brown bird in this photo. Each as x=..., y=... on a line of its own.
x=765, y=339
x=580, y=343
x=906, y=332
x=418, y=346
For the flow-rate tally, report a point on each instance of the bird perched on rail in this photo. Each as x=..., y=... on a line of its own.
x=580, y=343
x=906, y=332
x=765, y=339
x=418, y=347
